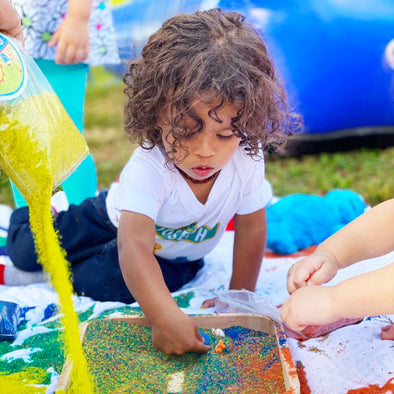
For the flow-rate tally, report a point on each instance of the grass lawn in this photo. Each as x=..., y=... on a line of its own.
x=366, y=171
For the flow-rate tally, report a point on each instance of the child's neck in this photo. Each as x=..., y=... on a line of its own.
x=198, y=181
x=200, y=189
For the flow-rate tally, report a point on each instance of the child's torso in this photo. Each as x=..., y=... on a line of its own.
x=185, y=227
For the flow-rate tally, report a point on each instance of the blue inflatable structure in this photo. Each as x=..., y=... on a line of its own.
x=336, y=58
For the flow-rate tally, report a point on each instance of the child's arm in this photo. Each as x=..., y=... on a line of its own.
x=369, y=235
x=363, y=295
x=72, y=36
x=250, y=232
x=10, y=22
x=172, y=330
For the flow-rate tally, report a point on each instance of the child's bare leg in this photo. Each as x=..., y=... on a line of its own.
x=387, y=332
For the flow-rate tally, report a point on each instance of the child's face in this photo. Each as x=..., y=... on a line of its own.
x=207, y=152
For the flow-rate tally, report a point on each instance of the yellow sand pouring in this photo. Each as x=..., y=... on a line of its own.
x=39, y=148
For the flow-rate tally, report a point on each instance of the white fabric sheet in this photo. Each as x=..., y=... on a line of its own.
x=349, y=358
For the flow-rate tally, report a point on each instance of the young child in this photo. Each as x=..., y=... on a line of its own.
x=203, y=102
x=65, y=37
x=10, y=23
x=368, y=236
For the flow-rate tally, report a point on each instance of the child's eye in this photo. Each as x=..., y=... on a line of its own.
x=225, y=136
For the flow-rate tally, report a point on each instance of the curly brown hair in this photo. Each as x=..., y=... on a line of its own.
x=212, y=52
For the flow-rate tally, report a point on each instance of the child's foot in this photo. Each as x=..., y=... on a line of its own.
x=387, y=332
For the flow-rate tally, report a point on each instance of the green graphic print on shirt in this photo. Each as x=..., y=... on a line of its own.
x=190, y=233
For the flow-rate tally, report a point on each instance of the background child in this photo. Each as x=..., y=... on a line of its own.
x=203, y=102
x=368, y=236
x=64, y=37
x=10, y=23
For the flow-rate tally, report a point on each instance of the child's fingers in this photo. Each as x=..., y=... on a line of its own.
x=298, y=276
x=312, y=270
x=291, y=288
x=387, y=332
x=79, y=55
x=209, y=303
x=200, y=347
x=60, y=53
x=82, y=54
x=288, y=317
x=71, y=55
x=54, y=39
x=322, y=275
x=199, y=336
x=204, y=348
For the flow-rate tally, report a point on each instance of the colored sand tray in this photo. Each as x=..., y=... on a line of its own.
x=121, y=358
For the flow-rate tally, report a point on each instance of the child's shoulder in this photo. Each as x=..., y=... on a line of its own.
x=145, y=162
x=244, y=163
x=154, y=156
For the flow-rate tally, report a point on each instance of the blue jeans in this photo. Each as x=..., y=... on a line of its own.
x=90, y=241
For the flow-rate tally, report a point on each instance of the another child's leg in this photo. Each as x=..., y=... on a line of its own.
x=69, y=83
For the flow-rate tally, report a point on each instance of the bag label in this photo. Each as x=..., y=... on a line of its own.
x=12, y=70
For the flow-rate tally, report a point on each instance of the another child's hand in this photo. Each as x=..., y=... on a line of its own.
x=311, y=305
x=387, y=332
x=176, y=333
x=10, y=22
x=316, y=269
x=72, y=40
x=208, y=303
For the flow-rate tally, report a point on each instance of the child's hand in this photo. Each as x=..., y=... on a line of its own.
x=387, y=332
x=72, y=39
x=309, y=305
x=176, y=333
x=10, y=22
x=316, y=269
x=208, y=303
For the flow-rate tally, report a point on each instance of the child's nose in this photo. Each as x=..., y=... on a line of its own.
x=204, y=145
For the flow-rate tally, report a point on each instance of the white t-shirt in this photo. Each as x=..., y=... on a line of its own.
x=187, y=230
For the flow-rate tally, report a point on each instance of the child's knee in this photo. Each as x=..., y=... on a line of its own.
x=20, y=243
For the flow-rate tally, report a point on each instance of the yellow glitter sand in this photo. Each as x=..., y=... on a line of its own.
x=38, y=137
x=23, y=382
x=39, y=148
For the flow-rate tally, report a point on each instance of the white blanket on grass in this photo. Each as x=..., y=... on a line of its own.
x=349, y=358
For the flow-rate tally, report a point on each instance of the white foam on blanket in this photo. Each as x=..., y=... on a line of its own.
x=348, y=358
x=21, y=353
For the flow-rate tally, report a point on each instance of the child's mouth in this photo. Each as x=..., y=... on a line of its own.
x=203, y=171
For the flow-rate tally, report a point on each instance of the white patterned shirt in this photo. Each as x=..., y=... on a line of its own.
x=41, y=18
